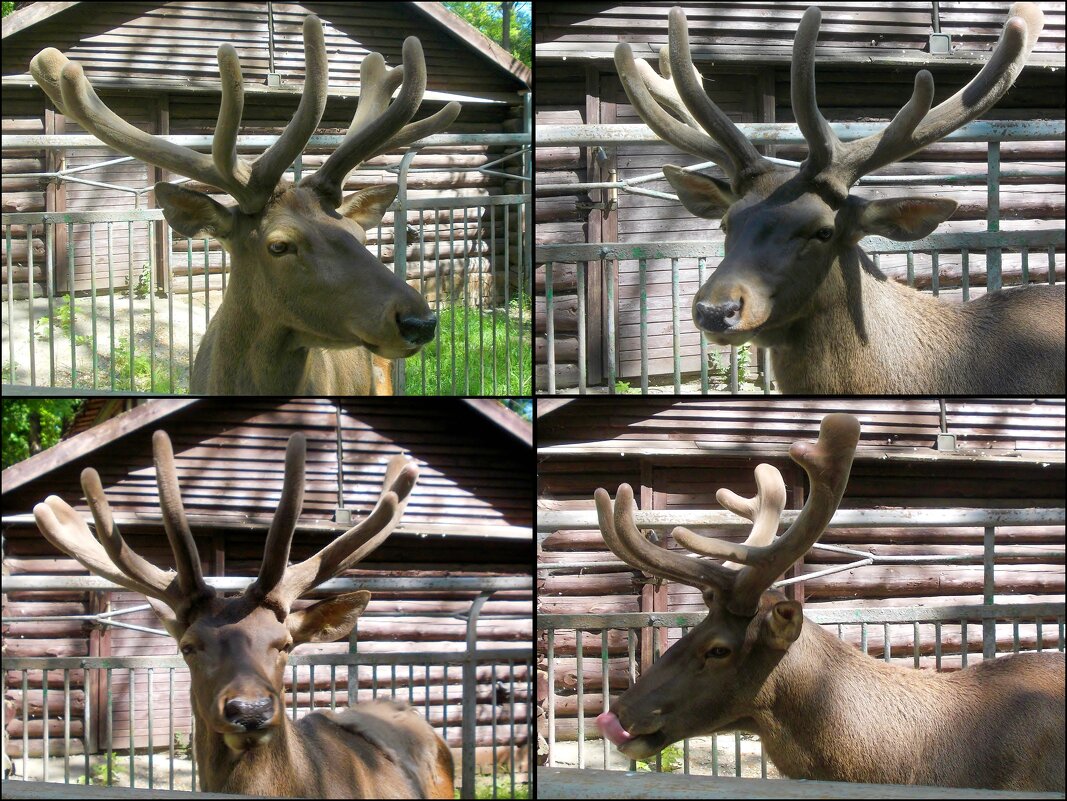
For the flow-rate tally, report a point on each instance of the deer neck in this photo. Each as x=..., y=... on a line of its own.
x=246, y=349
x=269, y=770
x=823, y=687
x=865, y=334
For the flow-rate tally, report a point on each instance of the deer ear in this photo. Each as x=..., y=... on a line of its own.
x=167, y=617
x=701, y=195
x=327, y=620
x=193, y=213
x=782, y=625
x=904, y=219
x=367, y=206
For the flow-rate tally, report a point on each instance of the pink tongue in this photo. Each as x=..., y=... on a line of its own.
x=612, y=729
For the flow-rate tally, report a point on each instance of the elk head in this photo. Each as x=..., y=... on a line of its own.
x=298, y=251
x=786, y=227
x=707, y=680
x=236, y=647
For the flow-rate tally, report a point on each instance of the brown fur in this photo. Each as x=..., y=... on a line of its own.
x=918, y=344
x=826, y=711
x=835, y=325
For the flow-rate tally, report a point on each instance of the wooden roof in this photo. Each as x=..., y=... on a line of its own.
x=475, y=483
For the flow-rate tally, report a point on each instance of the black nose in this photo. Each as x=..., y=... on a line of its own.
x=251, y=713
x=417, y=330
x=718, y=316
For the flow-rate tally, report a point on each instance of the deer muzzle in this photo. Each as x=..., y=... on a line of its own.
x=250, y=722
x=731, y=312
x=634, y=746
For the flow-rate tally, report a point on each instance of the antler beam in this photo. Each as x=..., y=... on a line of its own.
x=762, y=558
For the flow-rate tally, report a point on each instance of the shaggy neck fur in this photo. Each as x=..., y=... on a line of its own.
x=247, y=351
x=829, y=712
x=917, y=344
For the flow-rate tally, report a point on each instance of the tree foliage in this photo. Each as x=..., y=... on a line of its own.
x=31, y=425
x=489, y=19
x=523, y=407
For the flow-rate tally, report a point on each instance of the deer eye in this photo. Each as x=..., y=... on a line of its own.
x=824, y=234
x=717, y=652
x=278, y=248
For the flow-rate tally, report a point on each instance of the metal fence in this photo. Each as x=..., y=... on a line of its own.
x=680, y=359
x=138, y=328
x=1016, y=621
x=495, y=697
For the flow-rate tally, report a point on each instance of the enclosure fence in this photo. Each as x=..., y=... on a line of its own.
x=998, y=628
x=492, y=707
x=137, y=325
x=643, y=333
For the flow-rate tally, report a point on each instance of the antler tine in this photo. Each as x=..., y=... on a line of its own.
x=827, y=463
x=764, y=509
x=378, y=125
x=915, y=126
x=356, y=543
x=186, y=557
x=629, y=544
x=280, y=536
x=268, y=168
x=251, y=186
x=822, y=141
x=68, y=88
x=152, y=580
x=684, y=137
x=742, y=153
x=66, y=529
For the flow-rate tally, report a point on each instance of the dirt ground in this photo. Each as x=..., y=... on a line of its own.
x=151, y=349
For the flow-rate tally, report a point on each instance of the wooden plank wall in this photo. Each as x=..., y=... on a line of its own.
x=474, y=481
x=729, y=428
x=744, y=53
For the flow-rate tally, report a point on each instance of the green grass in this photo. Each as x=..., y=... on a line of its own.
x=466, y=338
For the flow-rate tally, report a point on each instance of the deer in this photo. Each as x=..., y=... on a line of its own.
x=309, y=309
x=794, y=279
x=237, y=647
x=822, y=709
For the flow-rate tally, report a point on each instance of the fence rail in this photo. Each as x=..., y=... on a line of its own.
x=133, y=324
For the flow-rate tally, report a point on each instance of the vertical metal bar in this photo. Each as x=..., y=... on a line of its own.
x=550, y=761
x=935, y=273
x=550, y=330
x=989, y=625
x=131, y=693
x=87, y=717
x=133, y=333
x=965, y=275
x=44, y=721
x=993, y=255
x=583, y=365
x=733, y=370
x=170, y=721
x=611, y=312
x=66, y=726
x=1024, y=254
x=92, y=303
x=400, y=245
x=675, y=346
x=606, y=682
x=492, y=282
x=580, y=671
x=702, y=264
x=642, y=272
x=151, y=737
x=470, y=695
